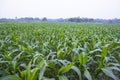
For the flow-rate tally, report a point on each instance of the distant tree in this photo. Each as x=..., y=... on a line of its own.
x=110, y=21
x=75, y=19
x=37, y=19
x=91, y=20
x=44, y=19
x=71, y=19
x=85, y=19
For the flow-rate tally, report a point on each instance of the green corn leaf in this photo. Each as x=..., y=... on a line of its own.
x=87, y=74
x=45, y=78
x=34, y=74
x=104, y=52
x=10, y=77
x=114, y=64
x=42, y=62
x=114, y=68
x=109, y=73
x=52, y=65
x=64, y=62
x=28, y=71
x=97, y=44
x=5, y=62
x=18, y=56
x=22, y=74
x=14, y=65
x=96, y=50
x=63, y=78
x=60, y=54
x=85, y=58
x=42, y=70
x=113, y=45
x=64, y=69
x=81, y=58
x=77, y=70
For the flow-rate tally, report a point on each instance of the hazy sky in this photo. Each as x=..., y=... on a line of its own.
x=60, y=8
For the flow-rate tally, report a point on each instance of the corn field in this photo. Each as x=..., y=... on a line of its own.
x=59, y=51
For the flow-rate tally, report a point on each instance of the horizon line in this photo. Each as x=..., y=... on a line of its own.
x=55, y=18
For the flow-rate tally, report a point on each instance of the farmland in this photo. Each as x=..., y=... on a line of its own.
x=59, y=51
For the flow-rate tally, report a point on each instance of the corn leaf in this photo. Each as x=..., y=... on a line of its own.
x=10, y=77
x=65, y=69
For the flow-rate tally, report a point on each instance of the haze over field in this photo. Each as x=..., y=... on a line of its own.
x=106, y=9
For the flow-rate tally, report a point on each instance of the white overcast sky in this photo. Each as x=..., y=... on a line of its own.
x=106, y=9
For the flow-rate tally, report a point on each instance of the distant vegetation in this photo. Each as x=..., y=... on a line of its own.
x=59, y=51
x=74, y=19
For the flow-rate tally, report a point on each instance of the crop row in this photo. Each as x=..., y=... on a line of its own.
x=59, y=51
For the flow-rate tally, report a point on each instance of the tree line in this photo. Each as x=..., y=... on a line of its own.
x=74, y=19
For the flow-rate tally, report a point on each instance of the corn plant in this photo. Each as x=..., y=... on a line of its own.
x=59, y=51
